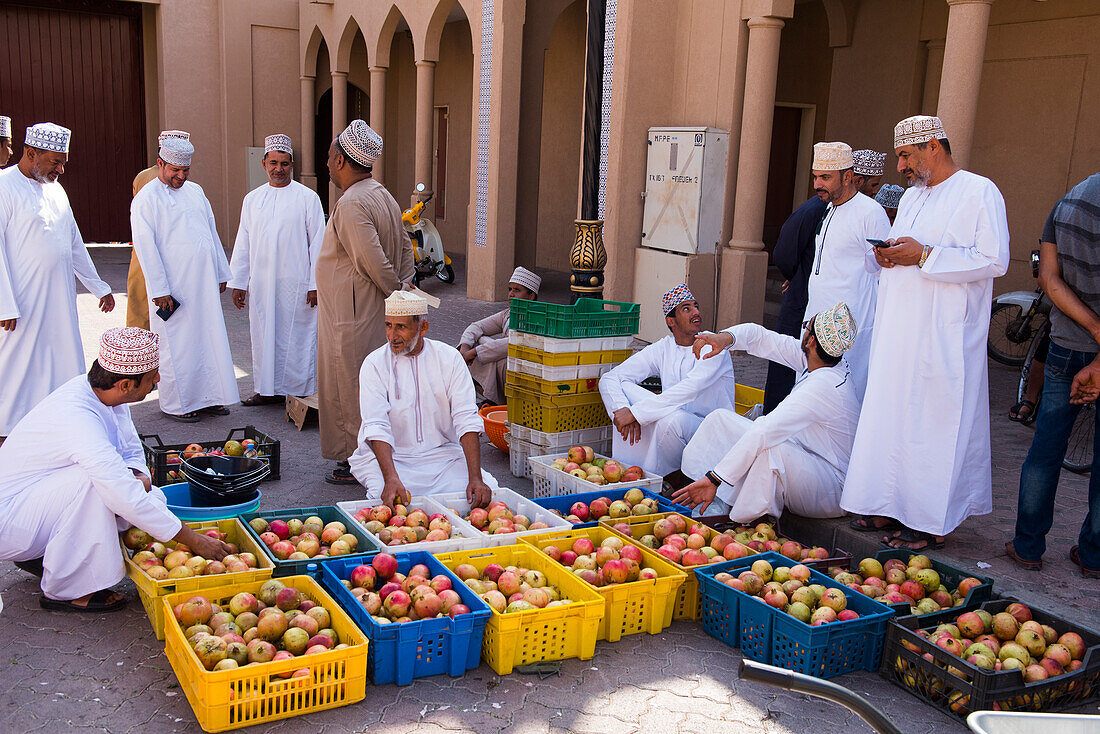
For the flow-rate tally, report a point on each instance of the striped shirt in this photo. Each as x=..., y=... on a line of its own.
x=1074, y=226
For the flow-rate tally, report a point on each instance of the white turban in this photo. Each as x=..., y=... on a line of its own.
x=5, y=127
x=524, y=277
x=48, y=136
x=278, y=144
x=362, y=144
x=832, y=157
x=918, y=129
x=404, y=303
x=176, y=151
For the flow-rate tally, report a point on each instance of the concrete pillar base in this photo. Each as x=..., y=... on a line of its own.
x=309, y=180
x=743, y=281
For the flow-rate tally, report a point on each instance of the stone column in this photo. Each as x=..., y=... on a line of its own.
x=378, y=111
x=339, y=120
x=961, y=78
x=425, y=109
x=306, y=170
x=933, y=70
x=744, y=263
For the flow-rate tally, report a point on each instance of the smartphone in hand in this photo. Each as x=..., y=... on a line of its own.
x=879, y=243
x=164, y=313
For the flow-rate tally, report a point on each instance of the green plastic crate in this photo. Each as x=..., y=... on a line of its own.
x=587, y=317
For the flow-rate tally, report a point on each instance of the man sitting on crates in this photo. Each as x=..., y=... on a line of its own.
x=651, y=430
x=484, y=344
x=420, y=424
x=795, y=456
x=73, y=475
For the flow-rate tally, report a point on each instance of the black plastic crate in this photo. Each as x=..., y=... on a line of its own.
x=952, y=684
x=949, y=577
x=157, y=453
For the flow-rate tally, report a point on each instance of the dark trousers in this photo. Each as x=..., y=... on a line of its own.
x=781, y=379
x=1039, y=475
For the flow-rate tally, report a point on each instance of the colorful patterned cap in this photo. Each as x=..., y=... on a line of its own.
x=48, y=136
x=832, y=157
x=675, y=297
x=278, y=144
x=5, y=127
x=868, y=162
x=404, y=303
x=361, y=143
x=165, y=134
x=176, y=151
x=889, y=195
x=835, y=329
x=918, y=129
x=129, y=351
x=524, y=277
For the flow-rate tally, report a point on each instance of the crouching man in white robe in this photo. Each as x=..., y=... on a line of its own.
x=72, y=476
x=797, y=455
x=420, y=424
x=651, y=430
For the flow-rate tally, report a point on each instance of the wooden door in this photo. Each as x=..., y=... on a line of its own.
x=782, y=171
x=79, y=64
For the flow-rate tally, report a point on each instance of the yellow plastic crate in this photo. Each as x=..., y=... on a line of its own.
x=552, y=387
x=151, y=590
x=555, y=633
x=254, y=694
x=638, y=606
x=560, y=359
x=744, y=397
x=687, y=600
x=555, y=413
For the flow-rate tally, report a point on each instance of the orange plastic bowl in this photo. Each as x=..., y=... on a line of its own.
x=494, y=417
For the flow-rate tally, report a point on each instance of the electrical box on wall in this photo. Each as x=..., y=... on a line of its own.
x=254, y=167
x=685, y=189
x=656, y=272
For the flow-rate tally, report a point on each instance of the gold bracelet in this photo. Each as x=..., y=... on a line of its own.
x=924, y=255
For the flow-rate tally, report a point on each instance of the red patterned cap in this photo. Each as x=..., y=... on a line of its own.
x=129, y=351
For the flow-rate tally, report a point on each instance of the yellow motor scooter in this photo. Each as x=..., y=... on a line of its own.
x=428, y=251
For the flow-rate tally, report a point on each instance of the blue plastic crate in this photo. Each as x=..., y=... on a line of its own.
x=327, y=514
x=398, y=653
x=563, y=502
x=774, y=637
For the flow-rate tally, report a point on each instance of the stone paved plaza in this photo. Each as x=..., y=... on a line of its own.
x=108, y=672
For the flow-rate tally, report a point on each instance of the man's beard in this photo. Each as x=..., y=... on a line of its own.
x=42, y=178
x=410, y=346
x=921, y=179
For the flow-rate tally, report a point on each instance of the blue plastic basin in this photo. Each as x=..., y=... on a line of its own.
x=179, y=502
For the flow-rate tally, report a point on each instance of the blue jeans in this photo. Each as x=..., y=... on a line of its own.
x=1039, y=475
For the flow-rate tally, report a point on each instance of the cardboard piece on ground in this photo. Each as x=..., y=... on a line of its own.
x=298, y=409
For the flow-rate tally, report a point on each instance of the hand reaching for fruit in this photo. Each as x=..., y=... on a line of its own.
x=203, y=545
x=478, y=493
x=394, y=493
x=699, y=493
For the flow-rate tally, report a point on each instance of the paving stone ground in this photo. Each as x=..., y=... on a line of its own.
x=109, y=673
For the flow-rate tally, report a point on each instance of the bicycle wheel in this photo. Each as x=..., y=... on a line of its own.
x=1027, y=372
x=1007, y=343
x=1079, y=450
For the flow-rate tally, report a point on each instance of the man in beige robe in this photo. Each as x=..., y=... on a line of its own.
x=484, y=344
x=137, y=300
x=365, y=255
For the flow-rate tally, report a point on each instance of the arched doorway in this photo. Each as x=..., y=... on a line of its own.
x=358, y=107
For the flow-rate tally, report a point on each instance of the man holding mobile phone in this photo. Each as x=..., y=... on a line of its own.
x=185, y=270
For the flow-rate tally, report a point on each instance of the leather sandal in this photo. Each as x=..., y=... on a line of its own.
x=99, y=602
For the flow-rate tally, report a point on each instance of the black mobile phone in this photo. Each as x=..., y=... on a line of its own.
x=166, y=314
x=879, y=243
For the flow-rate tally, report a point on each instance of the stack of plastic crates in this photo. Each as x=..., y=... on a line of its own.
x=556, y=356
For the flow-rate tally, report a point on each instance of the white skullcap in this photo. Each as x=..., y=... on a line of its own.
x=868, y=162
x=5, y=127
x=889, y=196
x=835, y=329
x=918, y=129
x=278, y=144
x=832, y=157
x=176, y=151
x=362, y=144
x=165, y=134
x=524, y=277
x=129, y=351
x=48, y=136
x=403, y=303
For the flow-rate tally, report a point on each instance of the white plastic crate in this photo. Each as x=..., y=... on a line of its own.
x=559, y=346
x=457, y=504
x=551, y=441
x=551, y=482
x=464, y=535
x=519, y=450
x=560, y=373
